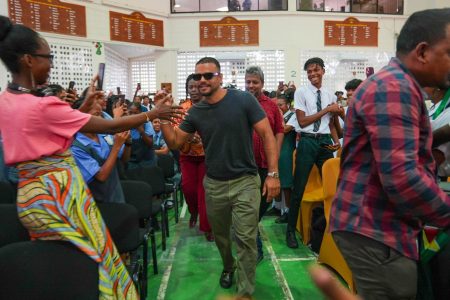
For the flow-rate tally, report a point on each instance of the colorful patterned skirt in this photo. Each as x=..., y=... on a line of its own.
x=54, y=203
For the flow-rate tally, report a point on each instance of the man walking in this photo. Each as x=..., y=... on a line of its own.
x=225, y=120
x=254, y=83
x=387, y=186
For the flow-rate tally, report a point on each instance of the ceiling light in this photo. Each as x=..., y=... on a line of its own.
x=177, y=6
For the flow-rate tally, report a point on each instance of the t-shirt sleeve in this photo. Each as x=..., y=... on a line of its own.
x=187, y=125
x=87, y=164
x=254, y=110
x=57, y=117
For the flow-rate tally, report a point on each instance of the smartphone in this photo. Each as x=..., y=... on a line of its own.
x=121, y=99
x=118, y=90
x=71, y=85
x=139, y=86
x=101, y=76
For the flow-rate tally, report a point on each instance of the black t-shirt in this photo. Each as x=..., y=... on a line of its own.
x=226, y=129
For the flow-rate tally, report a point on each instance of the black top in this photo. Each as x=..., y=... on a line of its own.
x=226, y=129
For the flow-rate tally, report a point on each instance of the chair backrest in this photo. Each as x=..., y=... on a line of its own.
x=11, y=229
x=154, y=176
x=330, y=174
x=314, y=180
x=8, y=193
x=167, y=163
x=139, y=194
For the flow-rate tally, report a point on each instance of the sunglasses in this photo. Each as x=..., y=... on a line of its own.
x=207, y=76
x=48, y=56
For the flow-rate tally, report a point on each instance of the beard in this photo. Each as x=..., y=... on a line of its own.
x=211, y=91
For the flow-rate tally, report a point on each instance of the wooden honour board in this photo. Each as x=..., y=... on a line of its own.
x=49, y=16
x=229, y=32
x=351, y=32
x=136, y=28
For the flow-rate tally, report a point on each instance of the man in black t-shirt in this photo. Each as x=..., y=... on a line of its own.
x=225, y=120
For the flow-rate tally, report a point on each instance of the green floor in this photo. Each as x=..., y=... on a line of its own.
x=191, y=266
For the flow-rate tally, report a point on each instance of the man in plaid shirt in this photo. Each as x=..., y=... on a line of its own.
x=387, y=186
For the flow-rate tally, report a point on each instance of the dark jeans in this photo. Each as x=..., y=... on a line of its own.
x=379, y=271
x=309, y=152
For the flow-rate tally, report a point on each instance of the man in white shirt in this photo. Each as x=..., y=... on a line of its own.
x=314, y=107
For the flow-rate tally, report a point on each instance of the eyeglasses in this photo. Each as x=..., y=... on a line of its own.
x=207, y=76
x=48, y=56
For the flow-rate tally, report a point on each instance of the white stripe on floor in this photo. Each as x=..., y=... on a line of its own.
x=279, y=273
x=165, y=279
x=297, y=259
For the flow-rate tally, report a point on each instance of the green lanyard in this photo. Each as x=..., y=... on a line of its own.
x=442, y=105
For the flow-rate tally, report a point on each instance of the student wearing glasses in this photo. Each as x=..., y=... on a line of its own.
x=36, y=139
x=225, y=120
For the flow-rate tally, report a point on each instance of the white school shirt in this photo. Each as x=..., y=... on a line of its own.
x=305, y=99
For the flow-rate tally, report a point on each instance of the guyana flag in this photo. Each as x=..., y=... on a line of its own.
x=433, y=240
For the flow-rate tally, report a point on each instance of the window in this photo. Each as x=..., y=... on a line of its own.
x=353, y=6
x=143, y=71
x=233, y=65
x=180, y=6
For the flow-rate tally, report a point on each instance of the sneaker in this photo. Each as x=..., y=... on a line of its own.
x=226, y=279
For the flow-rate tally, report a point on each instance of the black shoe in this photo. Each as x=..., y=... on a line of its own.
x=282, y=219
x=291, y=239
x=226, y=279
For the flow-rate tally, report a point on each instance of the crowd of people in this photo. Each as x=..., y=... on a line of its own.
x=235, y=151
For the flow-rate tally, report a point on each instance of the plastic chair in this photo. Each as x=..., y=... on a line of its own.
x=329, y=253
x=154, y=176
x=139, y=194
x=167, y=163
x=312, y=197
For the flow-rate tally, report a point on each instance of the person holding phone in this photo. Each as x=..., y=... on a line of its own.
x=41, y=154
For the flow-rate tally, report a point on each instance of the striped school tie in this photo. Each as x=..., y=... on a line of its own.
x=319, y=108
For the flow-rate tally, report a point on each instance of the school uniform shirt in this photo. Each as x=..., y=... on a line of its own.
x=88, y=166
x=305, y=99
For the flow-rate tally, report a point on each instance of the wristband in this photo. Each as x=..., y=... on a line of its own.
x=164, y=122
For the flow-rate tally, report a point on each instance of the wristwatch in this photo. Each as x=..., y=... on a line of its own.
x=273, y=174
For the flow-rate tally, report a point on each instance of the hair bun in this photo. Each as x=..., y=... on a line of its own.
x=5, y=27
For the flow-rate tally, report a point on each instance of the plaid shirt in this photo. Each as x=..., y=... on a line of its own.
x=387, y=188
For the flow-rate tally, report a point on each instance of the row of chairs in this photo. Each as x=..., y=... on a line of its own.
x=130, y=225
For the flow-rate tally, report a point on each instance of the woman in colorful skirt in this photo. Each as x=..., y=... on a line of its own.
x=53, y=200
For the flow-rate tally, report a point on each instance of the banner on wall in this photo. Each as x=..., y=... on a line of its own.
x=229, y=32
x=351, y=32
x=136, y=28
x=51, y=16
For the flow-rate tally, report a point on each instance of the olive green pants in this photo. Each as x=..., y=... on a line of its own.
x=235, y=202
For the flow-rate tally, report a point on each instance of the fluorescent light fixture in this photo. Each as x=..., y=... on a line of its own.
x=177, y=6
x=225, y=8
